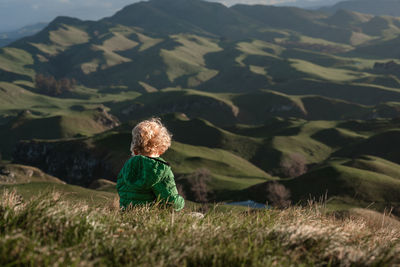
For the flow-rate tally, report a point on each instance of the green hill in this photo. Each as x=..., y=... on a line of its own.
x=382, y=145
x=27, y=125
x=85, y=160
x=343, y=183
x=386, y=49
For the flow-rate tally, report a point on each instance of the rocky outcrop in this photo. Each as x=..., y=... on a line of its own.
x=17, y=174
x=106, y=119
x=72, y=161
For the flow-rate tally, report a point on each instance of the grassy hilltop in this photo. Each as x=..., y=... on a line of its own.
x=49, y=229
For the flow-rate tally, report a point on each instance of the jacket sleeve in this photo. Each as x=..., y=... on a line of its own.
x=166, y=191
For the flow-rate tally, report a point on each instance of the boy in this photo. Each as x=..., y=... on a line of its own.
x=145, y=177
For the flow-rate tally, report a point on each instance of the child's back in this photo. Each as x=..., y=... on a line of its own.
x=146, y=178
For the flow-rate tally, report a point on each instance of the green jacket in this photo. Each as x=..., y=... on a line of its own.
x=143, y=180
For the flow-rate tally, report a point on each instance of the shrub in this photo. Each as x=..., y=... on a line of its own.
x=278, y=195
x=294, y=165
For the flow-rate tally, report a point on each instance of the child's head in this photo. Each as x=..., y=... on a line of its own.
x=150, y=138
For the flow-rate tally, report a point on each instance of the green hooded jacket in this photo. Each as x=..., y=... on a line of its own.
x=144, y=180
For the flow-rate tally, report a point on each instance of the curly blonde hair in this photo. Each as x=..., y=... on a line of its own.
x=150, y=137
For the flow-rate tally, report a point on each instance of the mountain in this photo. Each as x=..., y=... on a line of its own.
x=9, y=37
x=374, y=7
x=309, y=4
x=163, y=43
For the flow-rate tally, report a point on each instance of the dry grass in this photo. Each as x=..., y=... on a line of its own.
x=49, y=231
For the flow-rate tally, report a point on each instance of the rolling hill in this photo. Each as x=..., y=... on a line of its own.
x=302, y=155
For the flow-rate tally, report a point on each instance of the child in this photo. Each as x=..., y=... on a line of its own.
x=145, y=177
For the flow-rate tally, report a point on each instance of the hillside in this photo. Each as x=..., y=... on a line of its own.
x=11, y=36
x=125, y=51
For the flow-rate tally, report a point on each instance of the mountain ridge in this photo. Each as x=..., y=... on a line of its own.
x=380, y=7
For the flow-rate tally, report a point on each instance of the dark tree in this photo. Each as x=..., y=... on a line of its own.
x=50, y=86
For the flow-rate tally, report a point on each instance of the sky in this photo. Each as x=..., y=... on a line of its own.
x=15, y=14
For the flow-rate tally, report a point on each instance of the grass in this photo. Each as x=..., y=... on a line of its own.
x=310, y=40
x=16, y=61
x=110, y=58
x=312, y=150
x=61, y=39
x=147, y=42
x=375, y=164
x=72, y=193
x=259, y=48
x=119, y=42
x=49, y=229
x=229, y=171
x=188, y=57
x=331, y=74
x=67, y=35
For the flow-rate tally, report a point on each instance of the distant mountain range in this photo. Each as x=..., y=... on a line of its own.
x=202, y=45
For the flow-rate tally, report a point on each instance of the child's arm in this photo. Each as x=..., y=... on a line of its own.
x=166, y=191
